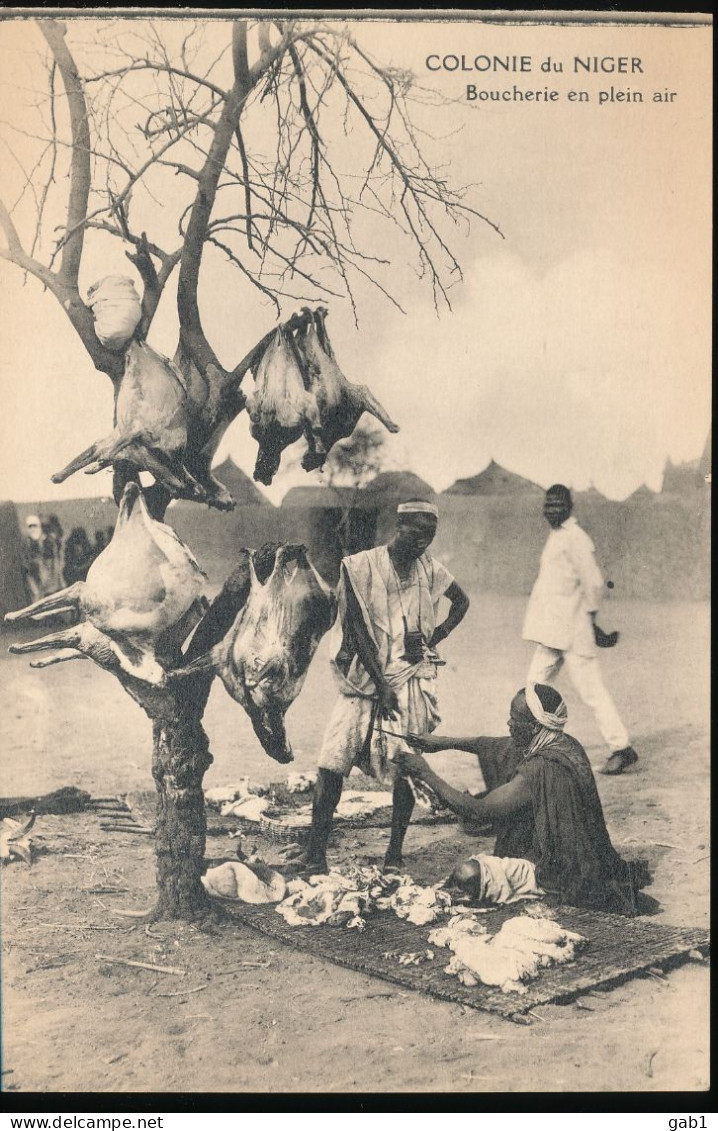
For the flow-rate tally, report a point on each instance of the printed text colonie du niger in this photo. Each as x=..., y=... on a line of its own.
x=525, y=64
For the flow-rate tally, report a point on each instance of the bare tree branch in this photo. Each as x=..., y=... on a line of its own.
x=80, y=170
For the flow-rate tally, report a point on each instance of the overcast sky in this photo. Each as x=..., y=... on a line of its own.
x=578, y=348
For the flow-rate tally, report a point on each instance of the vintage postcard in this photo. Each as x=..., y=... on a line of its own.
x=356, y=478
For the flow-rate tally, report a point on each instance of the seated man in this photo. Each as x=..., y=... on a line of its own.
x=543, y=804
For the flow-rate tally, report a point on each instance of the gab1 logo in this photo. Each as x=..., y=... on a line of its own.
x=688, y=1123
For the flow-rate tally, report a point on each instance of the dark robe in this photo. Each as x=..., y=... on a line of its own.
x=563, y=831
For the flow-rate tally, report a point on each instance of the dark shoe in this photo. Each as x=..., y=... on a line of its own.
x=619, y=761
x=604, y=639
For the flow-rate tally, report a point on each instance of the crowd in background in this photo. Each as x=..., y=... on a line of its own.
x=51, y=561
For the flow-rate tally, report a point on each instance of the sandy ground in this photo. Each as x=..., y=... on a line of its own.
x=75, y=1022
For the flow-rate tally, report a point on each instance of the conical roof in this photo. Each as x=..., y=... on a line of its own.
x=399, y=486
x=494, y=480
x=239, y=485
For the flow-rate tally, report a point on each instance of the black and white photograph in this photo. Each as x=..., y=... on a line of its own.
x=355, y=551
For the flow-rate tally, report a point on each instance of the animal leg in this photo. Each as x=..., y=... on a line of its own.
x=66, y=638
x=90, y=455
x=142, y=454
x=111, y=451
x=59, y=658
x=366, y=399
x=65, y=600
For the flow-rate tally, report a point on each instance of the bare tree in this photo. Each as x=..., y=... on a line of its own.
x=240, y=149
x=351, y=465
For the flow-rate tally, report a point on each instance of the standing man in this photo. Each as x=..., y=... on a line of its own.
x=32, y=557
x=383, y=653
x=561, y=619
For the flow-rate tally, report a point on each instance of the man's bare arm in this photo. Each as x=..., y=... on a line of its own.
x=459, y=602
x=431, y=743
x=499, y=803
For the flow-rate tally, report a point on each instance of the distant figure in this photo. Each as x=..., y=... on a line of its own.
x=561, y=618
x=109, y=531
x=32, y=554
x=51, y=564
x=79, y=555
x=100, y=542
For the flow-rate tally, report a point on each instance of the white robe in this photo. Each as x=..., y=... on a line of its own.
x=569, y=586
x=384, y=603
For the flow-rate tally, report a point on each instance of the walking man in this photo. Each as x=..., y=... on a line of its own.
x=383, y=654
x=561, y=617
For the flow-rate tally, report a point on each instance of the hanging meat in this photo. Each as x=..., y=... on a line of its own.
x=279, y=406
x=141, y=598
x=337, y=403
x=152, y=416
x=263, y=659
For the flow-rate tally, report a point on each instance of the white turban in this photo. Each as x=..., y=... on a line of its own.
x=552, y=721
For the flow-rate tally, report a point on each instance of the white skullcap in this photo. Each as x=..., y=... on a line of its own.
x=417, y=507
x=32, y=520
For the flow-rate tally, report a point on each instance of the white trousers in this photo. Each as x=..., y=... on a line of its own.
x=585, y=673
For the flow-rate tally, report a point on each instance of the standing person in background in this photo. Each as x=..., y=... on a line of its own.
x=561, y=620
x=52, y=555
x=383, y=653
x=31, y=557
x=79, y=555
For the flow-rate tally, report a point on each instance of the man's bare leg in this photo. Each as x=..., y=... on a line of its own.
x=400, y=817
x=327, y=792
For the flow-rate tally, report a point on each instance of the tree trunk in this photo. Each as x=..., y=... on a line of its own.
x=180, y=758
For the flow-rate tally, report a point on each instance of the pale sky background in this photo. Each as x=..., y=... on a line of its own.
x=578, y=348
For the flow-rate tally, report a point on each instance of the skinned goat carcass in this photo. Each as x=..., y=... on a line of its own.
x=141, y=598
x=152, y=415
x=279, y=406
x=263, y=659
x=337, y=405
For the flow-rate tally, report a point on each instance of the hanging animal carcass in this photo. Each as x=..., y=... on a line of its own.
x=280, y=405
x=263, y=659
x=152, y=417
x=141, y=598
x=336, y=404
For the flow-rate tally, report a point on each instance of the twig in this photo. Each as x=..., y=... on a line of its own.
x=538, y=1016
x=127, y=829
x=235, y=969
x=141, y=965
x=181, y=993
x=132, y=914
x=104, y=891
x=78, y=927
